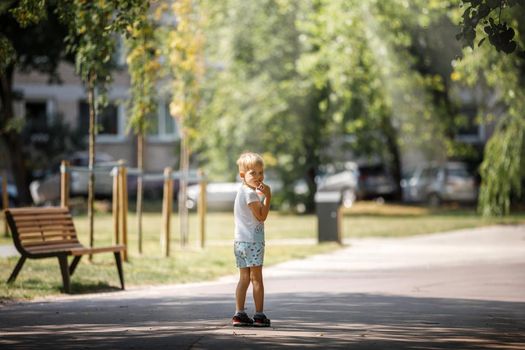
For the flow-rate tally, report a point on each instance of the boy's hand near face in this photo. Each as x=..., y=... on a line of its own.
x=261, y=210
x=265, y=190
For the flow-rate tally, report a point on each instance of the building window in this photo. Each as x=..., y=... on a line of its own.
x=36, y=116
x=163, y=126
x=108, y=120
x=468, y=127
x=38, y=119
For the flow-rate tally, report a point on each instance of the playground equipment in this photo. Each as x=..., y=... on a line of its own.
x=120, y=175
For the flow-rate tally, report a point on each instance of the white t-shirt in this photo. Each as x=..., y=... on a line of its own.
x=247, y=227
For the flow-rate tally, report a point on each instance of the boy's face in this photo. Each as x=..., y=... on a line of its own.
x=254, y=177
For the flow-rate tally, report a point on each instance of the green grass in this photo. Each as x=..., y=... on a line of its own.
x=191, y=264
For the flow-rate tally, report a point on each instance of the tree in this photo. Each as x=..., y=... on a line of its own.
x=255, y=97
x=503, y=169
x=93, y=28
x=31, y=38
x=143, y=66
x=185, y=44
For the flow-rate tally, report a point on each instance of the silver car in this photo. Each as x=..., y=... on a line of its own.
x=344, y=181
x=47, y=190
x=436, y=183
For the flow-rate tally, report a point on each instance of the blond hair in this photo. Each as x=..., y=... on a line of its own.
x=248, y=160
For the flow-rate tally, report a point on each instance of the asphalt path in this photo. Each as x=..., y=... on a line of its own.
x=456, y=290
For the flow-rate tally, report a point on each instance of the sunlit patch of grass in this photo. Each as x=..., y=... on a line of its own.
x=383, y=209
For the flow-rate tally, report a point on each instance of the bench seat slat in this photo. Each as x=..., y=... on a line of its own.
x=27, y=216
x=39, y=210
x=53, y=235
x=22, y=220
x=51, y=246
x=64, y=248
x=47, y=232
x=42, y=223
x=32, y=243
x=94, y=250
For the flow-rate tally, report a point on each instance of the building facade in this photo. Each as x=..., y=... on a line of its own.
x=40, y=102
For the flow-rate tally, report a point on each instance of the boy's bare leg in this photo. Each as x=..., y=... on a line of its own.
x=242, y=287
x=258, y=287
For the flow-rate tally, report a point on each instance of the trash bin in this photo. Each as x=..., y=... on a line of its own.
x=327, y=205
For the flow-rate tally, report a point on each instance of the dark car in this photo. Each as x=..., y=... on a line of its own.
x=375, y=181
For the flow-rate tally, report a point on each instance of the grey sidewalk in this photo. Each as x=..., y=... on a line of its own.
x=460, y=290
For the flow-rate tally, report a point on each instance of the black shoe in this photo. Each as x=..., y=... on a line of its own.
x=241, y=320
x=261, y=321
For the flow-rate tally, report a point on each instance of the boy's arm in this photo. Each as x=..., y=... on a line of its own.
x=261, y=210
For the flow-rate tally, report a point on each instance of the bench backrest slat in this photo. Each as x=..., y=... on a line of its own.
x=41, y=227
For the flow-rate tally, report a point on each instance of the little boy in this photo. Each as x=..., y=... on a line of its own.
x=250, y=214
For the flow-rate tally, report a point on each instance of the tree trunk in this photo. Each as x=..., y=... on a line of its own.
x=91, y=183
x=183, y=186
x=395, y=157
x=12, y=138
x=313, y=140
x=140, y=165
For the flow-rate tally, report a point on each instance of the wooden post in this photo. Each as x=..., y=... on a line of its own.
x=116, y=204
x=64, y=184
x=201, y=207
x=167, y=207
x=5, y=201
x=340, y=212
x=140, y=186
x=124, y=208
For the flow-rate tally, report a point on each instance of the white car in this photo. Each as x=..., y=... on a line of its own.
x=344, y=181
x=221, y=195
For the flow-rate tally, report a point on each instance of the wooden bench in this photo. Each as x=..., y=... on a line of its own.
x=49, y=232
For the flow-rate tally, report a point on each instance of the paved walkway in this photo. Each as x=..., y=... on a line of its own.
x=459, y=290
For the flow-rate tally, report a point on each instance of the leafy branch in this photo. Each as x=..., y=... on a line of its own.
x=487, y=13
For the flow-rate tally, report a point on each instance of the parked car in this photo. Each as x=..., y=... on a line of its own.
x=47, y=190
x=375, y=181
x=154, y=188
x=343, y=179
x=436, y=183
x=221, y=195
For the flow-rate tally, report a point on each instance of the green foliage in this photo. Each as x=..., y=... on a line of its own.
x=255, y=97
x=7, y=53
x=488, y=14
x=502, y=169
x=29, y=31
x=186, y=61
x=91, y=40
x=502, y=78
x=93, y=30
x=29, y=12
x=143, y=67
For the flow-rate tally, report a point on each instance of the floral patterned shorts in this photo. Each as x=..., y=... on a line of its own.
x=249, y=254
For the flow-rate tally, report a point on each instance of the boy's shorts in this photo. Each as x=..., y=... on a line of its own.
x=249, y=254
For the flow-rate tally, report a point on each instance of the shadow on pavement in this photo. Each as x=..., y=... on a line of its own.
x=309, y=320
